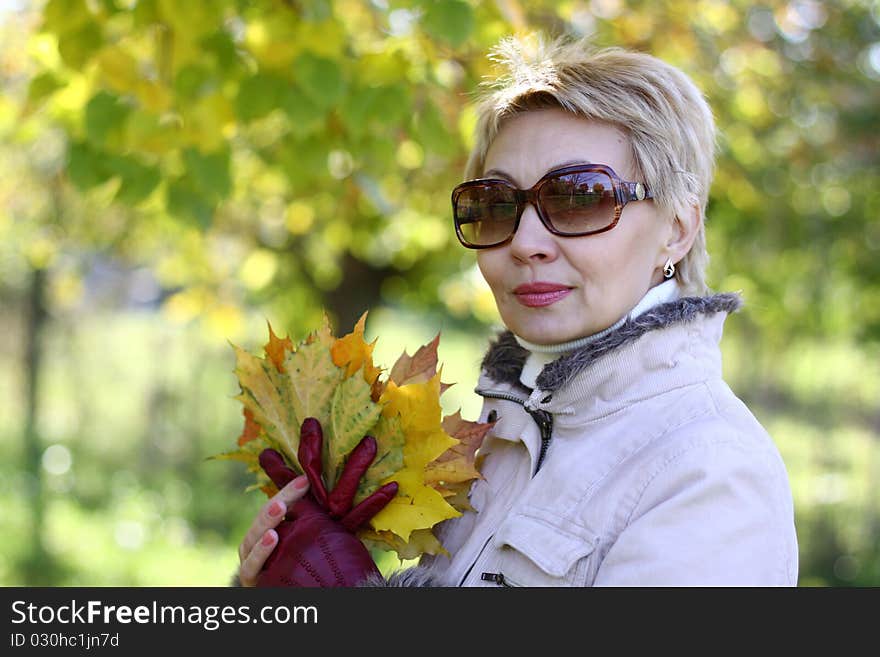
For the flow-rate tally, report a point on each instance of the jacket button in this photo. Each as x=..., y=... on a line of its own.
x=493, y=415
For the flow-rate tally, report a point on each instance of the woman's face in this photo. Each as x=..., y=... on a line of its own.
x=552, y=289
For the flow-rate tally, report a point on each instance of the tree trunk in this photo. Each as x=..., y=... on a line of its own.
x=359, y=291
x=36, y=566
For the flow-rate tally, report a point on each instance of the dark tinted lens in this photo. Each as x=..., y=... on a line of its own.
x=485, y=214
x=579, y=202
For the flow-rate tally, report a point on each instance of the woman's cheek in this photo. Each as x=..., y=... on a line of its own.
x=495, y=269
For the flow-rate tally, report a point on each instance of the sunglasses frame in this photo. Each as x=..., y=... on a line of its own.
x=624, y=192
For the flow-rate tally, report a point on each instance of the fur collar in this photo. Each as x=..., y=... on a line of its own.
x=505, y=358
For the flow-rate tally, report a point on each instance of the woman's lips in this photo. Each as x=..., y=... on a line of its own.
x=539, y=294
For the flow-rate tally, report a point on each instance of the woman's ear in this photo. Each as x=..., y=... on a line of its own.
x=683, y=231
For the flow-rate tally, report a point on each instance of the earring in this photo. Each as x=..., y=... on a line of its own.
x=668, y=269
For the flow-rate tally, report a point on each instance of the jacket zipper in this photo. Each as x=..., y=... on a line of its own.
x=545, y=425
x=479, y=554
x=543, y=419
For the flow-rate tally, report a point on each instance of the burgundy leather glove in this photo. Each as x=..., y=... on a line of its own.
x=317, y=546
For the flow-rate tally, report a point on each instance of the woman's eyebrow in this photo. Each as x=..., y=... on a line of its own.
x=569, y=163
x=498, y=173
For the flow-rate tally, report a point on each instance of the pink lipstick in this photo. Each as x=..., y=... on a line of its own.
x=539, y=293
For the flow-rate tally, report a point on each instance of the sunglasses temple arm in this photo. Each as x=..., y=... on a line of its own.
x=637, y=191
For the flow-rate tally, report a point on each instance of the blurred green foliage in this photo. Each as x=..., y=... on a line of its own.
x=172, y=174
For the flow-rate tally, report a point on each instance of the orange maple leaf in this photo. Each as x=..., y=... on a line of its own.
x=276, y=349
x=352, y=352
x=251, y=429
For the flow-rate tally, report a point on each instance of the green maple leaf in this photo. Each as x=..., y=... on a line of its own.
x=352, y=415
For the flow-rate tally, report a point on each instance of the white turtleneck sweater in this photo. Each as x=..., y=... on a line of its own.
x=541, y=354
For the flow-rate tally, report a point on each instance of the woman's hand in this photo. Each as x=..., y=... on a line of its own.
x=262, y=537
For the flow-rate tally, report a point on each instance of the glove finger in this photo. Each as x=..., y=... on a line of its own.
x=311, y=440
x=369, y=507
x=342, y=497
x=273, y=465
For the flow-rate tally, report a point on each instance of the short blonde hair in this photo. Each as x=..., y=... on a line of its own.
x=664, y=115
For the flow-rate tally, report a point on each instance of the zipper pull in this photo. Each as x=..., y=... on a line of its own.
x=544, y=420
x=498, y=578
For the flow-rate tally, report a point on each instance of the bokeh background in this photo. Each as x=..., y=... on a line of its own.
x=173, y=175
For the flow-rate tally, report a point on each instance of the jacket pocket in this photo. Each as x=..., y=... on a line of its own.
x=537, y=551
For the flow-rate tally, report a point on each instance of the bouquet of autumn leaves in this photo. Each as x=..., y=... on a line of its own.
x=433, y=460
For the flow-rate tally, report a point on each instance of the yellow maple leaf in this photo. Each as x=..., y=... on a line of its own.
x=418, y=405
x=416, y=506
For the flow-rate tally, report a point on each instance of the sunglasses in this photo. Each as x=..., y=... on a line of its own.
x=573, y=201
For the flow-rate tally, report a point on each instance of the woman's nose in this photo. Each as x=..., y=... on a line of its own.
x=532, y=240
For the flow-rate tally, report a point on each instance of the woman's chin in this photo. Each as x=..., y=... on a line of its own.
x=550, y=330
x=544, y=335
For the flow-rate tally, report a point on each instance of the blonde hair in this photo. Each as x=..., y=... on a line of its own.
x=667, y=120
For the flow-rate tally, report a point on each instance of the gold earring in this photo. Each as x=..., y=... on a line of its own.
x=668, y=269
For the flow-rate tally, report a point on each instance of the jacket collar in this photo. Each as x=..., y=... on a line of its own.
x=681, y=334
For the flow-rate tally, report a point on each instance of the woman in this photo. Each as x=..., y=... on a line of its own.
x=618, y=456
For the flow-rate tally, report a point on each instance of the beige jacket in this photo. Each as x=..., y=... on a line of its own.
x=654, y=472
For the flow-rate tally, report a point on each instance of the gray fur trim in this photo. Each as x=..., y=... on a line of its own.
x=417, y=577
x=686, y=309
x=505, y=363
x=505, y=359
